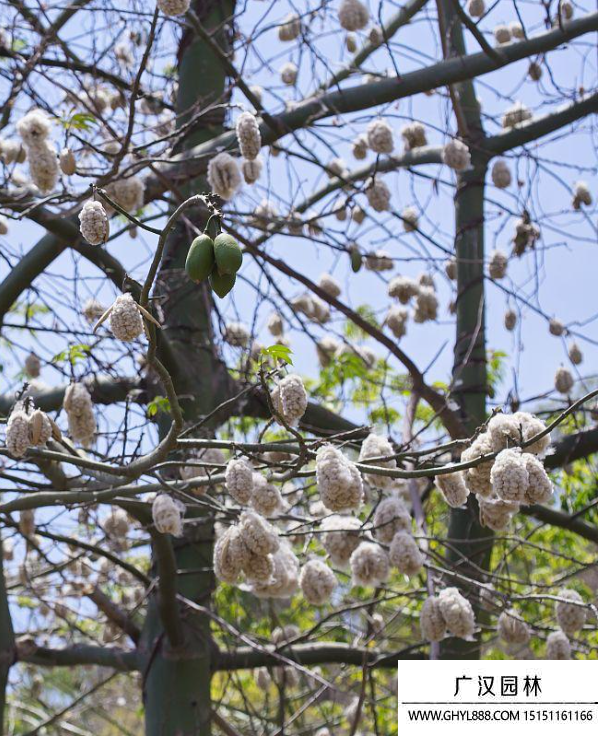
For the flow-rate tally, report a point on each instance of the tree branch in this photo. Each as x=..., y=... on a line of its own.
x=109, y=657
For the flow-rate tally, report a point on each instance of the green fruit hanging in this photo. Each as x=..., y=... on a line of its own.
x=222, y=283
x=228, y=254
x=200, y=259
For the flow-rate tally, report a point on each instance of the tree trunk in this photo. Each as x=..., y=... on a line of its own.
x=7, y=643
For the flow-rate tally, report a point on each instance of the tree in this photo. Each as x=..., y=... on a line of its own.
x=257, y=536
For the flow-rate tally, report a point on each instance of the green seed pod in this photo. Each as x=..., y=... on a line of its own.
x=356, y=259
x=222, y=283
x=228, y=254
x=200, y=259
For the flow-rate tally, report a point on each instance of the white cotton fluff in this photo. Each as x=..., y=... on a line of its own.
x=168, y=515
x=353, y=15
x=27, y=522
x=229, y=556
x=129, y=193
x=43, y=166
x=93, y=310
x=414, y=135
x=32, y=366
x=455, y=154
x=380, y=137
x=501, y=174
x=125, y=319
x=40, y=428
x=496, y=514
x=236, y=334
x=173, y=8
x=563, y=380
x=558, y=646
x=265, y=497
x=116, y=524
x=477, y=478
x=290, y=28
x=379, y=261
x=507, y=430
x=360, y=147
x=94, y=224
x=224, y=177
x=275, y=324
x=539, y=490
x=259, y=536
x=450, y=269
x=391, y=516
x=403, y=288
x=516, y=30
x=497, y=267
x=290, y=398
x=358, y=215
x=453, y=489
x=502, y=34
x=405, y=554
x=34, y=127
x=431, y=620
x=581, y=195
x=476, y=8
x=239, y=480
x=516, y=114
x=68, y=163
x=210, y=456
x=575, y=354
x=263, y=679
x=317, y=582
x=512, y=628
x=457, y=613
x=510, y=320
x=312, y=307
x=288, y=73
x=284, y=580
x=339, y=482
x=327, y=348
x=329, y=284
x=340, y=538
x=410, y=218
x=396, y=320
x=252, y=170
x=378, y=194
x=509, y=476
x=249, y=137
x=570, y=617
x=79, y=409
x=18, y=433
x=369, y=565
x=376, y=446
x=426, y=305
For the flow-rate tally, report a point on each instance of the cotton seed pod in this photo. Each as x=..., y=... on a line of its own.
x=12, y=151
x=93, y=310
x=378, y=194
x=3, y=225
x=570, y=617
x=208, y=456
x=476, y=8
x=284, y=579
x=275, y=325
x=353, y=15
x=116, y=525
x=326, y=349
x=391, y=516
x=32, y=366
x=502, y=34
x=396, y=321
x=376, y=446
x=239, y=480
x=317, y=582
x=510, y=319
x=431, y=621
x=43, y=166
x=497, y=267
x=262, y=679
x=125, y=319
x=224, y=177
x=539, y=490
x=339, y=482
x=290, y=398
x=357, y=215
x=516, y=30
x=508, y=430
x=79, y=408
x=575, y=354
x=18, y=433
x=477, y=478
x=453, y=489
x=563, y=380
x=450, y=269
x=455, y=155
x=405, y=554
x=555, y=327
x=380, y=138
x=566, y=10
x=258, y=534
x=252, y=170
x=265, y=497
x=34, y=127
x=457, y=613
x=512, y=628
x=40, y=428
x=360, y=147
x=410, y=218
x=516, y=114
x=378, y=261
x=496, y=514
x=426, y=305
x=168, y=515
x=501, y=174
x=376, y=36
x=534, y=71
x=94, y=224
x=509, y=476
x=340, y=538
x=236, y=334
x=581, y=195
x=369, y=565
x=68, y=164
x=27, y=522
x=249, y=137
x=558, y=646
x=173, y=8
x=351, y=43
x=414, y=136
x=329, y=284
x=288, y=73
x=229, y=556
x=337, y=168
x=403, y=288
x=290, y=29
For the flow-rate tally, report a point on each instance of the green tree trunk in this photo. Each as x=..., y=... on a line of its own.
x=7, y=643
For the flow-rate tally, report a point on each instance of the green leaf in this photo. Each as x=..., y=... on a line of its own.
x=79, y=122
x=72, y=354
x=158, y=404
x=278, y=353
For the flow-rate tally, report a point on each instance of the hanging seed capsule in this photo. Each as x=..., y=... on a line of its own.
x=200, y=259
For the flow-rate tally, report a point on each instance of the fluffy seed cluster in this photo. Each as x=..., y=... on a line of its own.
x=258, y=535
x=476, y=8
x=516, y=114
x=26, y=430
x=369, y=565
x=284, y=579
x=376, y=446
x=455, y=154
x=510, y=319
x=410, y=218
x=575, y=354
x=79, y=409
x=353, y=15
x=502, y=34
x=477, y=478
x=581, y=195
x=248, y=135
x=94, y=224
x=507, y=430
x=526, y=235
x=327, y=348
x=414, y=136
x=360, y=147
x=329, y=284
x=396, y=320
x=509, y=476
x=563, y=380
x=380, y=138
x=290, y=398
x=32, y=366
x=224, y=176
x=339, y=482
x=129, y=193
x=497, y=266
x=431, y=621
x=391, y=516
x=312, y=307
x=571, y=617
x=495, y=514
x=501, y=174
x=426, y=305
x=173, y=8
x=512, y=628
x=125, y=319
x=116, y=525
x=252, y=170
x=450, y=269
x=236, y=334
x=378, y=261
x=275, y=324
x=230, y=554
x=239, y=480
x=453, y=489
x=403, y=288
x=167, y=515
x=405, y=554
x=340, y=538
x=457, y=613
x=68, y=164
x=288, y=73
x=34, y=127
x=290, y=28
x=265, y=497
x=209, y=456
x=378, y=194
x=317, y=582
x=93, y=310
x=558, y=646
x=556, y=327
